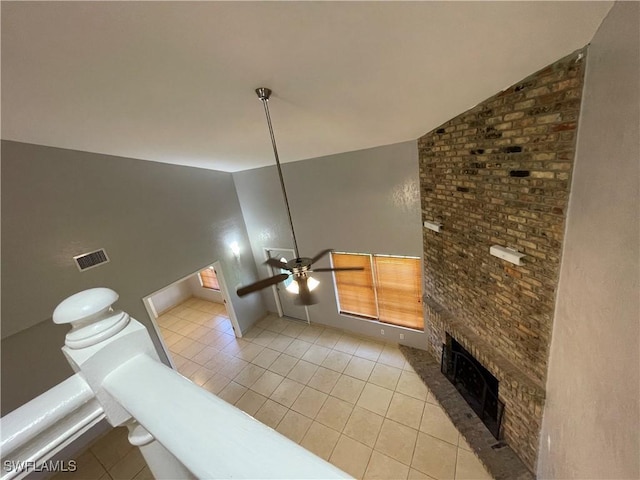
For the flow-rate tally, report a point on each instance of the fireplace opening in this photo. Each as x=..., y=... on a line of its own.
x=475, y=383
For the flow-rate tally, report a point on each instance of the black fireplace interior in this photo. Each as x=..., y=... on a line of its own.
x=476, y=384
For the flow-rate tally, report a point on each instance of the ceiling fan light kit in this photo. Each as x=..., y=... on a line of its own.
x=299, y=267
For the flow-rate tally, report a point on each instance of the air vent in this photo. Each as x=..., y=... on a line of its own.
x=91, y=259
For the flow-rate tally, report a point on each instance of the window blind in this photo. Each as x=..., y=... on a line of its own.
x=209, y=279
x=356, y=294
x=398, y=289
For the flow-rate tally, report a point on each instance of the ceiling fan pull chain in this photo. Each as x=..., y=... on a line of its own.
x=264, y=94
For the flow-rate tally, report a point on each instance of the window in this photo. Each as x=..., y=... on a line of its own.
x=399, y=293
x=208, y=279
x=355, y=289
x=387, y=290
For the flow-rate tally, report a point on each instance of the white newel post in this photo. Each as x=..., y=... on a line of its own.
x=100, y=341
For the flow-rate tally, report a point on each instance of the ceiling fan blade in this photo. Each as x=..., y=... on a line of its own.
x=321, y=254
x=338, y=269
x=274, y=262
x=260, y=284
x=305, y=296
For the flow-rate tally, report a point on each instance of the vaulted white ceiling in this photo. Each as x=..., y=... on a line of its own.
x=174, y=81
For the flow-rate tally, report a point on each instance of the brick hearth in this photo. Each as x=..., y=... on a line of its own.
x=498, y=458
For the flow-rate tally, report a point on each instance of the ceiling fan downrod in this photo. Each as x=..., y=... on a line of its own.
x=300, y=267
x=264, y=94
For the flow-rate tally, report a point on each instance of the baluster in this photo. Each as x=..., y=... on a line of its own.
x=161, y=462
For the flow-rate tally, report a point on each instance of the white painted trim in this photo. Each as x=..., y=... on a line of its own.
x=274, y=288
x=41, y=428
x=224, y=290
x=210, y=437
x=378, y=322
x=151, y=311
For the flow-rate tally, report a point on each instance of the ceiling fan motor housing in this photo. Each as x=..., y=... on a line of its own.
x=299, y=265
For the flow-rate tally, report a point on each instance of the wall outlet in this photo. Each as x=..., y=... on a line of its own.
x=402, y=336
x=382, y=331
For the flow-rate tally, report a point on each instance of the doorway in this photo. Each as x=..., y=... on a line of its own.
x=284, y=299
x=192, y=313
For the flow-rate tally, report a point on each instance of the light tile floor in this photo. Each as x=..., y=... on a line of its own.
x=111, y=457
x=351, y=400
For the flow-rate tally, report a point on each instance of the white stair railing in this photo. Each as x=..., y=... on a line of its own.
x=182, y=430
x=41, y=428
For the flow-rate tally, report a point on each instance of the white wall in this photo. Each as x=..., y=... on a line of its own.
x=158, y=223
x=362, y=201
x=591, y=424
x=178, y=292
x=199, y=291
x=171, y=296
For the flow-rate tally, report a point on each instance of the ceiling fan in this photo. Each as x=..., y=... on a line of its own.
x=300, y=267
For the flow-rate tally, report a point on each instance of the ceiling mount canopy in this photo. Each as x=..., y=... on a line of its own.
x=299, y=267
x=263, y=93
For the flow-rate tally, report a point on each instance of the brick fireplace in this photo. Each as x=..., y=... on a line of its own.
x=499, y=174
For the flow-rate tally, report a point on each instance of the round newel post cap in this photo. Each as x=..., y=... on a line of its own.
x=84, y=305
x=91, y=317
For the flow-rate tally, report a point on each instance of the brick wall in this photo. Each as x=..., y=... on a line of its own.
x=499, y=174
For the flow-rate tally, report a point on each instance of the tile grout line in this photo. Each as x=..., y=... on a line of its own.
x=352, y=412
x=424, y=407
x=97, y=459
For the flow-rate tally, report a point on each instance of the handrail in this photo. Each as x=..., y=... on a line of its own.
x=31, y=419
x=40, y=428
x=194, y=425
